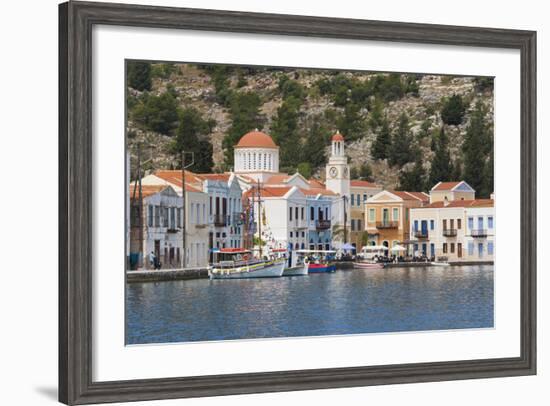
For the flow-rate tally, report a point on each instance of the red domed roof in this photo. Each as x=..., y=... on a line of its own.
x=256, y=139
x=337, y=137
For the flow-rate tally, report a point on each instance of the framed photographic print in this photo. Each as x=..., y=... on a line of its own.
x=257, y=203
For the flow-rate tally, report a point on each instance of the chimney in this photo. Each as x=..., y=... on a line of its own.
x=445, y=202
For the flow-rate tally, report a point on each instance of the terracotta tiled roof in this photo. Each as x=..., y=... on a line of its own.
x=463, y=203
x=363, y=183
x=278, y=178
x=192, y=182
x=317, y=191
x=268, y=191
x=256, y=139
x=420, y=196
x=411, y=195
x=224, y=177
x=174, y=176
x=337, y=137
x=446, y=186
x=146, y=190
x=316, y=183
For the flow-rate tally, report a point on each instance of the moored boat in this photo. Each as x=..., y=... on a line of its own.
x=295, y=262
x=236, y=263
x=319, y=261
x=368, y=265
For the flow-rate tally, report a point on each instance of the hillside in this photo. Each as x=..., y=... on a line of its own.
x=207, y=108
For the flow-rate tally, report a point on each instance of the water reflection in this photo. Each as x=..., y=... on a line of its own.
x=345, y=302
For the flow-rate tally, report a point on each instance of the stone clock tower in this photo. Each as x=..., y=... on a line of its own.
x=337, y=176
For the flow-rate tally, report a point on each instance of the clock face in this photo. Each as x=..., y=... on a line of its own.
x=333, y=172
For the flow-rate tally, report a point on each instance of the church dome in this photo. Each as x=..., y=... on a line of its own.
x=256, y=139
x=337, y=137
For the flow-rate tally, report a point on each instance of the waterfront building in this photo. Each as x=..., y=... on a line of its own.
x=387, y=216
x=320, y=218
x=360, y=191
x=224, y=203
x=225, y=210
x=455, y=226
x=161, y=226
x=480, y=231
x=292, y=217
x=450, y=191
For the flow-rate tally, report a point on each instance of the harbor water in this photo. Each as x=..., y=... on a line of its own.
x=344, y=302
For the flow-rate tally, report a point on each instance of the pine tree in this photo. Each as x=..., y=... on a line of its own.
x=284, y=130
x=313, y=150
x=414, y=179
x=376, y=117
x=365, y=172
x=400, y=150
x=453, y=110
x=139, y=75
x=304, y=169
x=382, y=144
x=245, y=115
x=477, y=151
x=190, y=137
x=441, y=169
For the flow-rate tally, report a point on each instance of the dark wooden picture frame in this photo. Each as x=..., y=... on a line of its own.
x=76, y=20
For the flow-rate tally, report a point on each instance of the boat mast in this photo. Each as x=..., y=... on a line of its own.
x=259, y=217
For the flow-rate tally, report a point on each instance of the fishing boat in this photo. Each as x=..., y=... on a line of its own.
x=296, y=262
x=319, y=261
x=369, y=256
x=237, y=263
x=368, y=265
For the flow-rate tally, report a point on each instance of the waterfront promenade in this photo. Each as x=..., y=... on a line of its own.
x=202, y=272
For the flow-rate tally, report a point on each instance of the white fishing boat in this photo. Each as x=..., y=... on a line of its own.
x=295, y=262
x=368, y=265
x=237, y=263
x=369, y=255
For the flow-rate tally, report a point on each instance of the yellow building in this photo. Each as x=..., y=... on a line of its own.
x=387, y=216
x=360, y=191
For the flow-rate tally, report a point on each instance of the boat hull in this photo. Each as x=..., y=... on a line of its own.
x=296, y=270
x=271, y=270
x=321, y=268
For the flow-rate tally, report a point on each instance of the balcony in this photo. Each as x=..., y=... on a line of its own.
x=220, y=220
x=386, y=224
x=449, y=232
x=173, y=230
x=479, y=233
x=421, y=234
x=322, y=224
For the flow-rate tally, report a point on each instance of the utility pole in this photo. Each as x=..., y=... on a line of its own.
x=140, y=207
x=345, y=220
x=183, y=211
x=259, y=216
